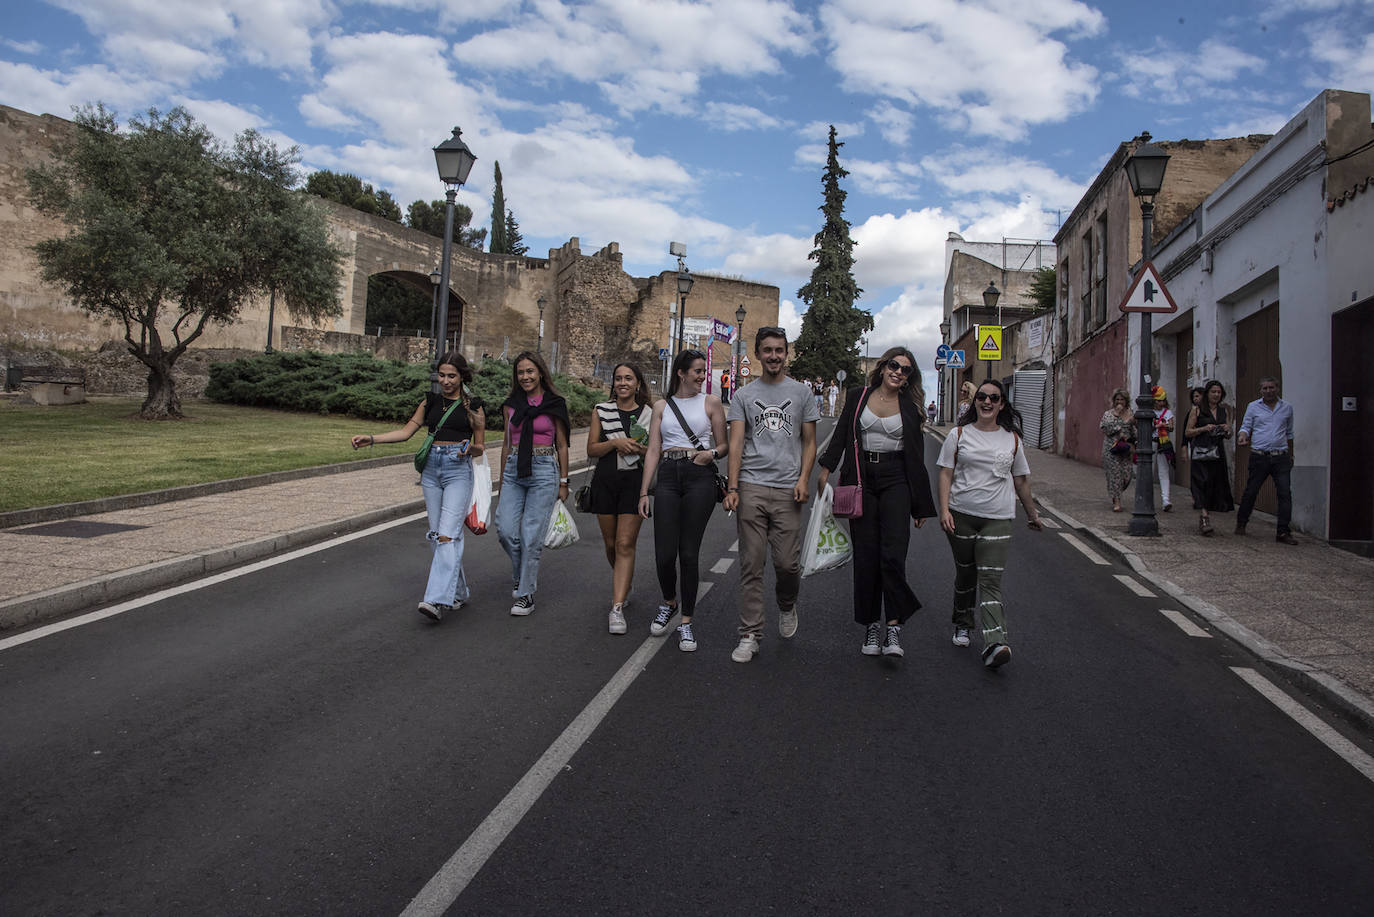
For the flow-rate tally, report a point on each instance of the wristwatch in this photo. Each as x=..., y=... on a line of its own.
x=562, y=480
x=715, y=455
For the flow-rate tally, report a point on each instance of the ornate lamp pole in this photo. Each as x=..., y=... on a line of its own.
x=454, y=161
x=684, y=286
x=990, y=297
x=739, y=349
x=539, y=345
x=1145, y=170
x=944, y=374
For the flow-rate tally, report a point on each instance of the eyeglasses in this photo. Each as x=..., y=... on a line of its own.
x=992, y=397
x=902, y=368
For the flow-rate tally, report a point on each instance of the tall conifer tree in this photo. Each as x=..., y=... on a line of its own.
x=832, y=326
x=498, y=216
x=515, y=243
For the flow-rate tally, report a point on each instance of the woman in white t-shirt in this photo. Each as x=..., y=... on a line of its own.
x=983, y=470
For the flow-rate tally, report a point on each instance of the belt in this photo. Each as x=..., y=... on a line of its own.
x=876, y=457
x=1268, y=451
x=534, y=450
x=677, y=454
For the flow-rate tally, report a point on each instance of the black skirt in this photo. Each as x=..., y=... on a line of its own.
x=616, y=492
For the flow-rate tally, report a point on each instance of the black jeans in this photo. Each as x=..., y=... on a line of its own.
x=881, y=537
x=1261, y=466
x=684, y=497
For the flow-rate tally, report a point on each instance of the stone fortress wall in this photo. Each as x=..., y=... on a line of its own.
x=595, y=312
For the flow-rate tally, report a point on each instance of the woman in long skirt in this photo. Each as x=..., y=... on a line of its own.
x=1207, y=430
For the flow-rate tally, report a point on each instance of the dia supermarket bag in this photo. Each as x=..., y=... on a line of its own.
x=826, y=545
x=562, y=530
x=479, y=516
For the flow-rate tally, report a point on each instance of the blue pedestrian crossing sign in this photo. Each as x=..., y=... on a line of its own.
x=956, y=359
x=663, y=353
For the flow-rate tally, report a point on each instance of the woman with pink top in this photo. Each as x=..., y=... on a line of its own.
x=534, y=459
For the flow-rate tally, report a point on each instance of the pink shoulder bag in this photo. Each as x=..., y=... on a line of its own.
x=849, y=498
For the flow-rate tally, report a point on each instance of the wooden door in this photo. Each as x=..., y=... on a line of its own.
x=1257, y=356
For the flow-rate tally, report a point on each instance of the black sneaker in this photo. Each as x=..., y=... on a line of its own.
x=892, y=646
x=872, y=640
x=998, y=654
x=659, y=625
x=523, y=606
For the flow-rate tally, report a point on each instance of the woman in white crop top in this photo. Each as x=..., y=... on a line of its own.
x=685, y=493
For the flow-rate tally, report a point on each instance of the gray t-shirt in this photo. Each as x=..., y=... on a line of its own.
x=773, y=416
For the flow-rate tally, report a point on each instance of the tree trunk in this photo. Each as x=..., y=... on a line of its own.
x=162, y=402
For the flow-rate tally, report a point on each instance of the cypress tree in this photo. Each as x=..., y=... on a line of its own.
x=832, y=325
x=498, y=244
x=515, y=243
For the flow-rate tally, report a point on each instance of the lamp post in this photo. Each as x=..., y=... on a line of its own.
x=434, y=278
x=990, y=297
x=1145, y=170
x=739, y=349
x=944, y=374
x=454, y=161
x=539, y=346
x=684, y=286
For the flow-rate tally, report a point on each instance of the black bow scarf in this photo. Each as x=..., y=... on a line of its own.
x=523, y=414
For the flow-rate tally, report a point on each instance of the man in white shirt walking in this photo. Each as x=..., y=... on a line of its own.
x=772, y=448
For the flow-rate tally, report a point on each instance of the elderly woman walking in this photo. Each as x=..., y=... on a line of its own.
x=1118, y=443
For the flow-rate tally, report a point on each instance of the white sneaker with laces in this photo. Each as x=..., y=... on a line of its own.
x=872, y=640
x=686, y=640
x=960, y=636
x=892, y=646
x=787, y=622
x=617, y=619
x=748, y=647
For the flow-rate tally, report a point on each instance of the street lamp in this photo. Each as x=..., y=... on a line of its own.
x=684, y=286
x=739, y=347
x=434, y=278
x=454, y=161
x=944, y=376
x=990, y=297
x=539, y=347
x=1145, y=170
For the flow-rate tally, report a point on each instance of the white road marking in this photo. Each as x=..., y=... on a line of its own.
x=1049, y=523
x=723, y=565
x=1352, y=753
x=91, y=617
x=441, y=891
x=1129, y=582
x=734, y=548
x=1188, y=627
x=1085, y=550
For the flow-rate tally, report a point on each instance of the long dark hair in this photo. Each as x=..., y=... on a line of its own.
x=1008, y=418
x=545, y=379
x=641, y=393
x=457, y=361
x=912, y=387
x=680, y=365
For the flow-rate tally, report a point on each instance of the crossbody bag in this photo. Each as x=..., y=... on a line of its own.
x=722, y=482
x=422, y=457
x=849, y=498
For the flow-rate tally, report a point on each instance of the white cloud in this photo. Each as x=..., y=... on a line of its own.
x=894, y=124
x=1258, y=123
x=895, y=180
x=274, y=34
x=1178, y=77
x=162, y=59
x=1348, y=60
x=988, y=67
x=23, y=47
x=729, y=117
x=224, y=119
x=819, y=131
x=974, y=174
x=57, y=93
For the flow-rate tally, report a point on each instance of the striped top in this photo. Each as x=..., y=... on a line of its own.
x=613, y=428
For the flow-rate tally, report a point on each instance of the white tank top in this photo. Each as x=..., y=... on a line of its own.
x=881, y=434
x=694, y=412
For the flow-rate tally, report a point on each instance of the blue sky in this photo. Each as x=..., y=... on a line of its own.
x=704, y=122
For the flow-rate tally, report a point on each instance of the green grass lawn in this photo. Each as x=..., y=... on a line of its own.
x=62, y=454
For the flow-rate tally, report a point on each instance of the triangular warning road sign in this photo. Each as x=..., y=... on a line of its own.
x=1148, y=293
x=989, y=346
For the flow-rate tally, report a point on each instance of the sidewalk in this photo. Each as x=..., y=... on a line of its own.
x=1305, y=609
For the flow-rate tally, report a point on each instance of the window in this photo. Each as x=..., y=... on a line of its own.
x=1061, y=340
x=1086, y=286
x=1100, y=271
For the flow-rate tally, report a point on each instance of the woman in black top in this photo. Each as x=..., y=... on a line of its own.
x=447, y=479
x=896, y=488
x=613, y=442
x=1207, y=430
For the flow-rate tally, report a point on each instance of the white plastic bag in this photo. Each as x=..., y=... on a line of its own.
x=562, y=530
x=826, y=545
x=479, y=514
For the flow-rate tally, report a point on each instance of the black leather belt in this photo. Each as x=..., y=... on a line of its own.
x=1269, y=451
x=876, y=457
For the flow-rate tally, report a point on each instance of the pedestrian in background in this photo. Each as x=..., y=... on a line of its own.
x=930, y=413
x=458, y=422
x=1267, y=429
x=966, y=391
x=616, y=481
x=883, y=421
x=683, y=454
x=983, y=470
x=818, y=388
x=832, y=397
x=534, y=462
x=1206, y=431
x=1164, y=444
x=1118, y=444
x=772, y=448
x=725, y=386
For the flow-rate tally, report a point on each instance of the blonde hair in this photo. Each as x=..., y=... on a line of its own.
x=969, y=389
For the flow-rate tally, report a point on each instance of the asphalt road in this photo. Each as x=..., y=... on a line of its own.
x=300, y=741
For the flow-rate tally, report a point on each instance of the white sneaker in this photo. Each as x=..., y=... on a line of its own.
x=523, y=606
x=617, y=619
x=892, y=645
x=787, y=622
x=960, y=636
x=686, y=640
x=748, y=647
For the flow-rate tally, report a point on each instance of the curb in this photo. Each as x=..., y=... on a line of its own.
x=1308, y=677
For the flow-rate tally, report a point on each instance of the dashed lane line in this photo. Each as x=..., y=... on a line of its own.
x=1188, y=627
x=448, y=883
x=723, y=565
x=1049, y=523
x=1352, y=753
x=1085, y=550
x=1129, y=582
x=734, y=548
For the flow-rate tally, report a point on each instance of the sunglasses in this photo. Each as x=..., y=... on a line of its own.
x=771, y=332
x=992, y=397
x=900, y=367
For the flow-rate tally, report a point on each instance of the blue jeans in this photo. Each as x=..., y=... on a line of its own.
x=522, y=517
x=447, y=485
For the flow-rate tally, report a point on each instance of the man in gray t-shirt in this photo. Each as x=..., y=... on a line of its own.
x=772, y=448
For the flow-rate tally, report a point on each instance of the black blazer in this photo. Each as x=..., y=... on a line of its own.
x=841, y=449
